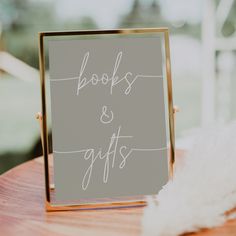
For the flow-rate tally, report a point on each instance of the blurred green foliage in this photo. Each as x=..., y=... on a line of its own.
x=22, y=20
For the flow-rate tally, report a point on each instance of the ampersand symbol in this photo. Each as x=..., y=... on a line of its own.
x=106, y=118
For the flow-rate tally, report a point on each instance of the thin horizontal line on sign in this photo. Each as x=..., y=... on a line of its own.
x=134, y=149
x=77, y=77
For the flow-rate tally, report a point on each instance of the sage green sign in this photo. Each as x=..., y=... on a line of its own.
x=108, y=117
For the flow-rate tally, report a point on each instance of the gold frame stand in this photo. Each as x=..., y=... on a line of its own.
x=42, y=118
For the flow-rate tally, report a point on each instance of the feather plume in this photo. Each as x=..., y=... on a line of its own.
x=203, y=188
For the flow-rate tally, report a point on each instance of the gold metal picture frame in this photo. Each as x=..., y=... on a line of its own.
x=42, y=117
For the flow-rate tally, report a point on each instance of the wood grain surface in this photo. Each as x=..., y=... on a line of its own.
x=22, y=211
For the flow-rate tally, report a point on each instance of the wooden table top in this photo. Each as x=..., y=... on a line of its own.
x=22, y=211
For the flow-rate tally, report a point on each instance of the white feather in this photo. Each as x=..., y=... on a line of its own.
x=203, y=188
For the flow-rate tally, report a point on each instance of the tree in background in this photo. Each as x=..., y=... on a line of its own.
x=143, y=15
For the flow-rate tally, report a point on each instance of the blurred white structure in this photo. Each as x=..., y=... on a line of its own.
x=17, y=68
x=214, y=18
